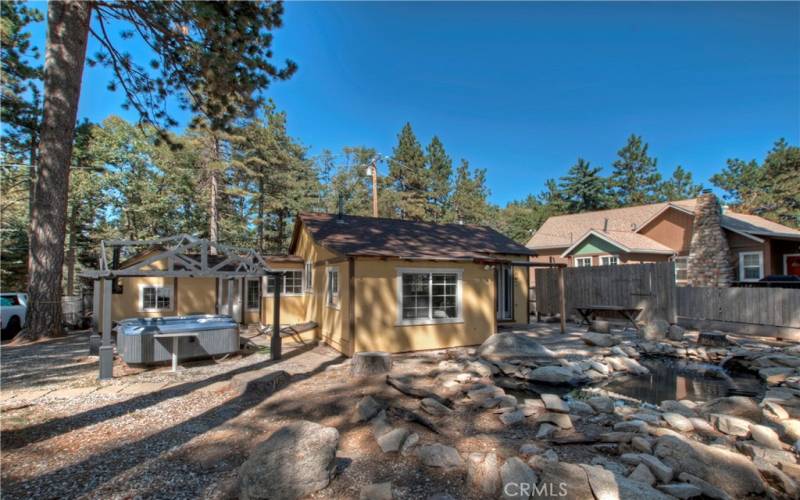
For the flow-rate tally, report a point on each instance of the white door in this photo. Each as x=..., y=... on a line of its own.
x=504, y=277
x=236, y=310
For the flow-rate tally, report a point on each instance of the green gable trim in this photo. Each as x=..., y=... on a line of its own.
x=594, y=245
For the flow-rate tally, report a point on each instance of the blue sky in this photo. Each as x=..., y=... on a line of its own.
x=523, y=89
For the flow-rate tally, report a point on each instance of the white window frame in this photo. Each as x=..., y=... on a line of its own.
x=308, y=277
x=685, y=259
x=581, y=259
x=156, y=309
x=333, y=299
x=430, y=271
x=609, y=257
x=247, y=293
x=265, y=284
x=742, y=266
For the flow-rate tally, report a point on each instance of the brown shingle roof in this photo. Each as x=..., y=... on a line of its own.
x=380, y=237
x=562, y=231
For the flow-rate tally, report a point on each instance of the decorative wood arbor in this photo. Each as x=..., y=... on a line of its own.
x=186, y=257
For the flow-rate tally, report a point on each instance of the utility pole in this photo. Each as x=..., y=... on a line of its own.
x=375, y=186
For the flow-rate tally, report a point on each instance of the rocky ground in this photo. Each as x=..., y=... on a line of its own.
x=449, y=424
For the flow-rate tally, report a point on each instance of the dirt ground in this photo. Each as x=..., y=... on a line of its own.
x=187, y=439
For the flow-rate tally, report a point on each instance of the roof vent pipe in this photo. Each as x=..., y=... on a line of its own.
x=340, y=216
x=605, y=225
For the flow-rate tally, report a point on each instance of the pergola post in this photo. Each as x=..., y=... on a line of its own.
x=275, y=340
x=106, y=350
x=230, y=297
x=94, y=337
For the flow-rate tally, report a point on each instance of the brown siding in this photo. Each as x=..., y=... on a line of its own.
x=738, y=243
x=673, y=228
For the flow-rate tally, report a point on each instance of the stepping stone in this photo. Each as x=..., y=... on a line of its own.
x=554, y=403
x=562, y=420
x=366, y=408
x=393, y=440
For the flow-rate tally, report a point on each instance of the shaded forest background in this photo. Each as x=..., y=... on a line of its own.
x=244, y=186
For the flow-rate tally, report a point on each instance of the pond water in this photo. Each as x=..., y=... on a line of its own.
x=676, y=379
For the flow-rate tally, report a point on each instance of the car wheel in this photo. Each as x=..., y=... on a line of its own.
x=12, y=328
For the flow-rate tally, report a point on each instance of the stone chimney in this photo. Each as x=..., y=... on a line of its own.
x=709, y=255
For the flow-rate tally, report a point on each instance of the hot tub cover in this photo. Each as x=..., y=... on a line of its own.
x=175, y=324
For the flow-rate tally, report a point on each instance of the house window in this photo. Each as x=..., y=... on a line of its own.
x=253, y=293
x=155, y=298
x=333, y=287
x=608, y=260
x=292, y=283
x=681, y=269
x=583, y=262
x=309, y=282
x=751, y=266
x=429, y=296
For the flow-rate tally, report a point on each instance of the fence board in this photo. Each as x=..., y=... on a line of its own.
x=757, y=306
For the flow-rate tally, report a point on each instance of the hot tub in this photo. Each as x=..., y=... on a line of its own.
x=153, y=340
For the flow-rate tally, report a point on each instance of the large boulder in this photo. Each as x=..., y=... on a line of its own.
x=518, y=479
x=439, y=455
x=676, y=333
x=514, y=347
x=295, y=461
x=562, y=480
x=600, y=339
x=557, y=375
x=724, y=469
x=734, y=406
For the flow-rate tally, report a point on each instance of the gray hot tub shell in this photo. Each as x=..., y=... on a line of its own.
x=140, y=340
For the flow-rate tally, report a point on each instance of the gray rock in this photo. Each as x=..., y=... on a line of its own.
x=733, y=426
x=775, y=374
x=512, y=417
x=376, y=491
x=563, y=480
x=791, y=428
x=295, y=461
x=701, y=425
x=679, y=407
x=380, y=425
x=483, y=473
x=480, y=368
x=655, y=330
x=580, y=407
x=481, y=394
x=777, y=478
x=734, y=406
x=662, y=471
x=635, y=490
x=631, y=426
x=766, y=436
x=600, y=339
x=517, y=479
x=681, y=490
x=631, y=458
x=676, y=333
x=775, y=409
x=562, y=420
x=642, y=474
x=409, y=444
x=724, y=469
x=600, y=326
x=514, y=347
x=712, y=339
x=650, y=418
x=601, y=481
x=678, y=421
x=439, y=455
x=773, y=456
x=554, y=375
x=433, y=407
x=393, y=440
x=366, y=408
x=554, y=403
x=545, y=431
x=601, y=404
x=529, y=449
x=641, y=444
x=707, y=488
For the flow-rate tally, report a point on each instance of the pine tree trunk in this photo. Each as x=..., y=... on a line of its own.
x=213, y=219
x=67, y=35
x=73, y=228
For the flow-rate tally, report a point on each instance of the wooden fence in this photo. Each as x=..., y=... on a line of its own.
x=767, y=307
x=773, y=312
x=649, y=287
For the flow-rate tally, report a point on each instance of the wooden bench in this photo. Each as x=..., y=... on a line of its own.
x=589, y=312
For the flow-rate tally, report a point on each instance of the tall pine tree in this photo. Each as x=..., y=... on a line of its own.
x=679, y=187
x=635, y=180
x=584, y=188
x=440, y=171
x=408, y=176
x=469, y=201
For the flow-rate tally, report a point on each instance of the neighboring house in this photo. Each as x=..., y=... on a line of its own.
x=663, y=231
x=370, y=284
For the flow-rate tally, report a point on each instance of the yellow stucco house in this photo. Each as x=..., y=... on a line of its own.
x=370, y=284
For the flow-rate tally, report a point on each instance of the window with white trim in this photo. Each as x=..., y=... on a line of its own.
x=153, y=298
x=583, y=262
x=333, y=286
x=609, y=260
x=751, y=266
x=429, y=296
x=681, y=269
x=292, y=283
x=309, y=281
x=253, y=293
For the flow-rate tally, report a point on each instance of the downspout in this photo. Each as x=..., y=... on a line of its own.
x=351, y=303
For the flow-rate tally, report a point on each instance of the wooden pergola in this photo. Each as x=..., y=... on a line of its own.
x=186, y=257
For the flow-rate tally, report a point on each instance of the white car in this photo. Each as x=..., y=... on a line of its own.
x=13, y=309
